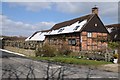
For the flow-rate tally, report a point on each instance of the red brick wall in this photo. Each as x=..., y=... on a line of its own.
x=63, y=42
x=95, y=42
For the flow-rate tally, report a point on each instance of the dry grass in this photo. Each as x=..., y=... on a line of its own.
x=21, y=51
x=109, y=67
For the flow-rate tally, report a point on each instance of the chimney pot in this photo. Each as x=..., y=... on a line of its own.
x=95, y=10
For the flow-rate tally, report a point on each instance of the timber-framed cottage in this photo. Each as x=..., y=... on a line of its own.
x=85, y=33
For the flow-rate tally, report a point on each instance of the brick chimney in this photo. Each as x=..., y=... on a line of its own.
x=95, y=10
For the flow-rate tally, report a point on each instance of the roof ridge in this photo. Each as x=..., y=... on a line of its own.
x=69, y=22
x=113, y=25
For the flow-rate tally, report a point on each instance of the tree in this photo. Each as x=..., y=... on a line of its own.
x=115, y=45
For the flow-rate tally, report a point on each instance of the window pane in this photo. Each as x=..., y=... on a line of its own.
x=61, y=30
x=69, y=41
x=76, y=27
x=73, y=41
x=89, y=34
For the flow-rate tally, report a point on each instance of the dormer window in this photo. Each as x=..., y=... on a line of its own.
x=76, y=27
x=40, y=33
x=61, y=30
x=113, y=29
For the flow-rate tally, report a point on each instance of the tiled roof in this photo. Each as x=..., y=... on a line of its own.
x=113, y=25
x=36, y=33
x=70, y=22
x=115, y=31
x=69, y=26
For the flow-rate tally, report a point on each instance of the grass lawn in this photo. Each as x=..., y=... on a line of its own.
x=70, y=60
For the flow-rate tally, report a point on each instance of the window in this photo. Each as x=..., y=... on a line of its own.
x=113, y=29
x=72, y=42
x=95, y=24
x=76, y=27
x=61, y=30
x=115, y=36
x=69, y=41
x=51, y=41
x=81, y=39
x=89, y=34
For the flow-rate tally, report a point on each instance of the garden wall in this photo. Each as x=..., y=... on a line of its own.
x=24, y=47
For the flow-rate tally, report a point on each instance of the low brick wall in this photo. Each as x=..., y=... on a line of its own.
x=26, y=52
x=24, y=47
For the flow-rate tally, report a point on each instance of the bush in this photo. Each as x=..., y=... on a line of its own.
x=115, y=56
x=51, y=51
x=74, y=54
x=64, y=50
x=46, y=51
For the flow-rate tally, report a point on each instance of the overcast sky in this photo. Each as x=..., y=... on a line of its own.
x=24, y=18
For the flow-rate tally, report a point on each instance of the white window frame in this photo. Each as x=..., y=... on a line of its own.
x=89, y=34
x=96, y=24
x=81, y=39
x=72, y=42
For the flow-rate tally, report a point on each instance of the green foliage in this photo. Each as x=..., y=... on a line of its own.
x=70, y=60
x=113, y=45
x=74, y=54
x=46, y=51
x=64, y=50
x=115, y=56
x=51, y=51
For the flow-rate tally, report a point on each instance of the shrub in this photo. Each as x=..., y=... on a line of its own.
x=115, y=56
x=74, y=54
x=46, y=51
x=64, y=50
x=51, y=51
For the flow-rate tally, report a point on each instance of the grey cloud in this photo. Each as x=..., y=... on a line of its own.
x=70, y=7
x=85, y=7
x=44, y=25
x=109, y=9
x=10, y=27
